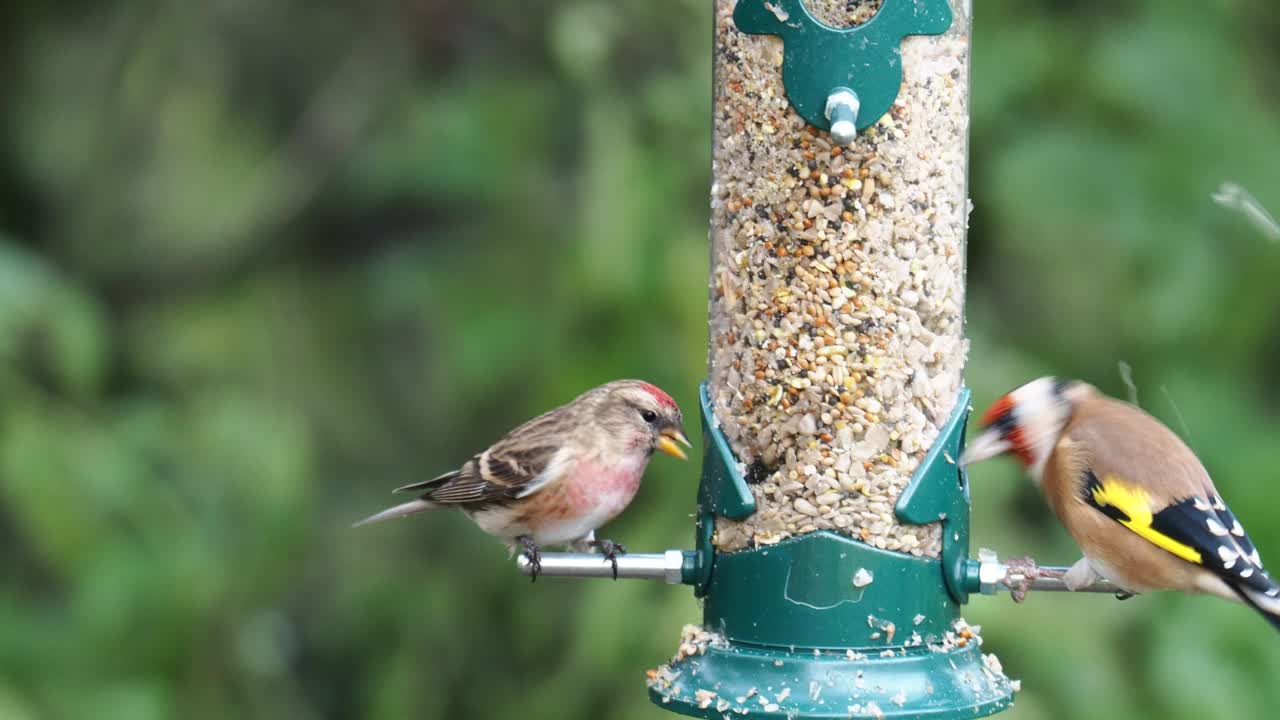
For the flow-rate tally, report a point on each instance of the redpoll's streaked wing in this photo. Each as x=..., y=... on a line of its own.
x=428, y=484
x=466, y=488
x=463, y=485
x=503, y=472
x=552, y=470
x=512, y=467
x=531, y=456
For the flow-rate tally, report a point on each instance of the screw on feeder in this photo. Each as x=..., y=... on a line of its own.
x=842, y=113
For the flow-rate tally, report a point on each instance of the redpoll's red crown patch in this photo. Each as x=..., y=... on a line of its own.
x=663, y=399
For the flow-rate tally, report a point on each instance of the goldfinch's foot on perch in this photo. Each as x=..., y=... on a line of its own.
x=1020, y=575
x=1080, y=575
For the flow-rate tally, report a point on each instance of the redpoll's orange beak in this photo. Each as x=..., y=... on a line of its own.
x=667, y=443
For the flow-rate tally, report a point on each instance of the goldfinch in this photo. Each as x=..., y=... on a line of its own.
x=557, y=478
x=1134, y=497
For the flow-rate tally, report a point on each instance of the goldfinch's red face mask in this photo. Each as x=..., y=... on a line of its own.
x=1025, y=423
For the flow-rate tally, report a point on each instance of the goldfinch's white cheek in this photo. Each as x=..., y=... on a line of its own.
x=1040, y=417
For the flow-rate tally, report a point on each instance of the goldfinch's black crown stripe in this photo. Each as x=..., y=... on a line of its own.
x=1005, y=422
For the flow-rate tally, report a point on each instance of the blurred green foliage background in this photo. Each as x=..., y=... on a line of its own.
x=260, y=262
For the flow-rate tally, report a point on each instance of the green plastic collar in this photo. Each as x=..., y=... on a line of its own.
x=939, y=492
x=723, y=492
x=820, y=606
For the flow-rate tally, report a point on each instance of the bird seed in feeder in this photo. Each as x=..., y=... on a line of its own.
x=837, y=279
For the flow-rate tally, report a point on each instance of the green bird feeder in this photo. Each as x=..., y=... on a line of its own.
x=825, y=626
x=831, y=551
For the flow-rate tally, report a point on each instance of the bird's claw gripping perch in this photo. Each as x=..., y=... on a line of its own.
x=1020, y=576
x=610, y=550
x=533, y=554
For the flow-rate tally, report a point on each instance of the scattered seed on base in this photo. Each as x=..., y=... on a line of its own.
x=862, y=578
x=694, y=640
x=704, y=698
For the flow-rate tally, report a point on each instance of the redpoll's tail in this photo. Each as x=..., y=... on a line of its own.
x=402, y=510
x=1264, y=603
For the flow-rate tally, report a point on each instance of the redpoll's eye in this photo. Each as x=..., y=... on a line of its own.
x=649, y=416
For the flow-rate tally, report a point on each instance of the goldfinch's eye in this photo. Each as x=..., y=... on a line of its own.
x=649, y=416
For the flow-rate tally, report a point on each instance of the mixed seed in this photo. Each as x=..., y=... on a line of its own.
x=837, y=287
x=694, y=641
x=843, y=13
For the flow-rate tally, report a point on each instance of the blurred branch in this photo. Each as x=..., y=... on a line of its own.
x=340, y=110
x=1235, y=197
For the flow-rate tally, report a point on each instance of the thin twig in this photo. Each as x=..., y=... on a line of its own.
x=1126, y=376
x=1234, y=197
x=1181, y=420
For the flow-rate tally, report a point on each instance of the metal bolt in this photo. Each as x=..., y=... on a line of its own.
x=990, y=572
x=842, y=112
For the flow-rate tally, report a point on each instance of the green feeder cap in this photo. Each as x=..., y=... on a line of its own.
x=824, y=626
x=842, y=78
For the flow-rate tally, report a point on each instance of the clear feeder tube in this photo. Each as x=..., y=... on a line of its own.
x=837, y=286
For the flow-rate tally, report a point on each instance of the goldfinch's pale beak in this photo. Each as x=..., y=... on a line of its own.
x=670, y=440
x=987, y=445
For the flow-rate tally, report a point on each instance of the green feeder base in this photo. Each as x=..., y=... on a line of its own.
x=822, y=625
x=768, y=683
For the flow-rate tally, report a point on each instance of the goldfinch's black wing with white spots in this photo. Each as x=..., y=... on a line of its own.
x=1209, y=524
x=1200, y=530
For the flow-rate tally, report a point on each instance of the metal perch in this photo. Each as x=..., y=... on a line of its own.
x=667, y=567
x=993, y=576
x=987, y=575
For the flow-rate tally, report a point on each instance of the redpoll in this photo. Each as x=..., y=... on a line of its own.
x=557, y=478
